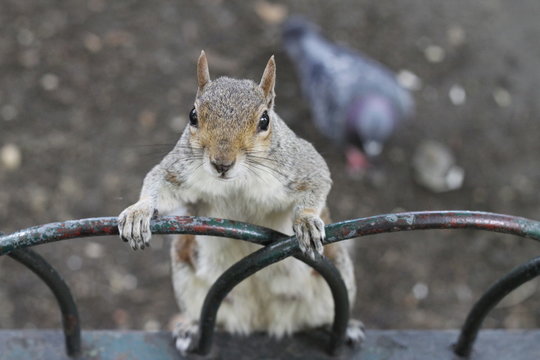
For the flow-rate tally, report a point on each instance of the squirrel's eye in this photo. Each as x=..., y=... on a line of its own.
x=193, y=118
x=264, y=121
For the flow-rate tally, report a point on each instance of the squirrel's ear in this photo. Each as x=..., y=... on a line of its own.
x=268, y=80
x=203, y=75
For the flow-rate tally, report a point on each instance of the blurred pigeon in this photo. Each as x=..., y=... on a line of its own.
x=355, y=101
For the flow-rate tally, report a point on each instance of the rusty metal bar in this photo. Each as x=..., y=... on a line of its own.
x=52, y=232
x=425, y=220
x=238, y=230
x=70, y=316
x=259, y=260
x=515, y=278
x=341, y=298
x=278, y=250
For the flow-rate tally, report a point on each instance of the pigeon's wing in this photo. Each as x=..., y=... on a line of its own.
x=322, y=92
x=372, y=77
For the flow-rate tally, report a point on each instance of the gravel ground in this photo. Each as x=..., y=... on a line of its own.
x=93, y=94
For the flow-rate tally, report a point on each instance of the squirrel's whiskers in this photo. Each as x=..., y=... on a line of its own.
x=237, y=159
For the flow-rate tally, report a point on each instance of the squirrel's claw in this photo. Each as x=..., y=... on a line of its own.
x=185, y=335
x=355, y=334
x=310, y=233
x=134, y=225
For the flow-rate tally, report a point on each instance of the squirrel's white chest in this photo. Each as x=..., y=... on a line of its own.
x=261, y=199
x=280, y=299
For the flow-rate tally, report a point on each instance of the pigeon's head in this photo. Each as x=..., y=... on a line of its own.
x=295, y=28
x=371, y=120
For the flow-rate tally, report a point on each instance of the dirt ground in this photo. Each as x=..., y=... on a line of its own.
x=93, y=94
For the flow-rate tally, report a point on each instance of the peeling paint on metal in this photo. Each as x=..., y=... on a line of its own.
x=409, y=219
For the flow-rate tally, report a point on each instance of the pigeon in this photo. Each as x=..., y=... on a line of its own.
x=355, y=101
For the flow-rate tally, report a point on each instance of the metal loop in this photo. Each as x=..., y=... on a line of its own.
x=259, y=260
x=263, y=236
x=379, y=224
x=505, y=285
x=70, y=315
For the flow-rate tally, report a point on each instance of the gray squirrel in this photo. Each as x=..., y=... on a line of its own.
x=237, y=159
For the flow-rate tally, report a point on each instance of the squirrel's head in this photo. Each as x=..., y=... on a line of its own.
x=231, y=120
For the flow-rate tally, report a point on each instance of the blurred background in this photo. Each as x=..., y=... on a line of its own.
x=93, y=93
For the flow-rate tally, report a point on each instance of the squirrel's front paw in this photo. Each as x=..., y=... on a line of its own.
x=309, y=230
x=134, y=225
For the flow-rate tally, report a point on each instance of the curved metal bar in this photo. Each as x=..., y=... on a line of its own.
x=259, y=260
x=282, y=249
x=425, y=220
x=47, y=233
x=234, y=229
x=70, y=315
x=340, y=294
x=515, y=278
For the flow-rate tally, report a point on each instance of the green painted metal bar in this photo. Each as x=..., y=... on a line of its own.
x=505, y=285
x=238, y=230
x=278, y=250
x=70, y=315
x=259, y=260
x=70, y=229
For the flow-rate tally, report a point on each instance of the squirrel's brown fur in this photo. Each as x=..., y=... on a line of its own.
x=232, y=163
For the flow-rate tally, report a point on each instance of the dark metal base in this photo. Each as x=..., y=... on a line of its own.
x=380, y=345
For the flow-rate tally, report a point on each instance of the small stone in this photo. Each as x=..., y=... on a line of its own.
x=8, y=112
x=50, y=82
x=420, y=291
x=457, y=95
x=454, y=177
x=271, y=13
x=25, y=37
x=435, y=167
x=94, y=250
x=455, y=35
x=434, y=53
x=93, y=43
x=409, y=80
x=74, y=262
x=152, y=325
x=11, y=157
x=121, y=282
x=502, y=97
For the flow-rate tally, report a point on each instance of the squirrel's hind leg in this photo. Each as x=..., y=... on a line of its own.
x=184, y=261
x=355, y=334
x=185, y=335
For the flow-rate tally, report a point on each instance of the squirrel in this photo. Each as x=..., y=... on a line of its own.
x=237, y=159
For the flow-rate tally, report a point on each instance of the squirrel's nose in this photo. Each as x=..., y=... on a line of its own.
x=222, y=167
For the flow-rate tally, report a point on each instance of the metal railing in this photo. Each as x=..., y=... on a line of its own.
x=278, y=247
